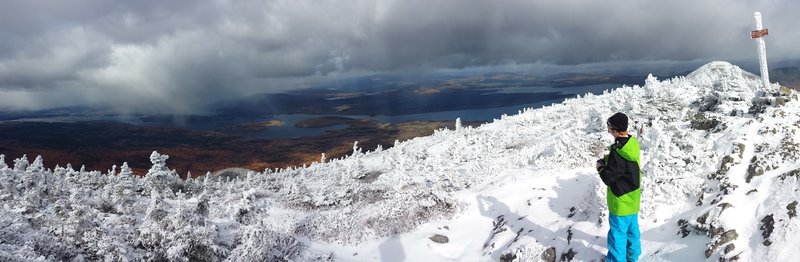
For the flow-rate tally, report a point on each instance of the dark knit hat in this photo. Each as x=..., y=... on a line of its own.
x=618, y=121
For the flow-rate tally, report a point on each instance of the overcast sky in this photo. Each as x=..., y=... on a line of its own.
x=178, y=55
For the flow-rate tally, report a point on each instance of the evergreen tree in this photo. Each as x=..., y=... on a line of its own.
x=159, y=177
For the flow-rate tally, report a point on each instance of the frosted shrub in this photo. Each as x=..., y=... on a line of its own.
x=244, y=210
x=22, y=252
x=179, y=232
x=259, y=244
x=17, y=232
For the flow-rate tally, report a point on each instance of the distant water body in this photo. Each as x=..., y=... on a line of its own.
x=288, y=130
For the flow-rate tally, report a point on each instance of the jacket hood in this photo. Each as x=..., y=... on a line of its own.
x=629, y=151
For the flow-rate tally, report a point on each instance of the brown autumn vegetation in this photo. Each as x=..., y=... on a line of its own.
x=100, y=145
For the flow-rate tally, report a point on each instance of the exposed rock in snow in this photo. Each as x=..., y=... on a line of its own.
x=439, y=239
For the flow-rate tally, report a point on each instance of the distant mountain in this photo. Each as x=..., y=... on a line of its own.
x=787, y=76
x=721, y=182
x=387, y=103
x=394, y=95
x=81, y=111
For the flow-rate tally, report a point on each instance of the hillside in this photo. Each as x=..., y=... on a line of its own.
x=719, y=155
x=100, y=144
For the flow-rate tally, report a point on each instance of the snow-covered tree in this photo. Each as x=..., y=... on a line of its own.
x=159, y=177
x=3, y=164
x=21, y=164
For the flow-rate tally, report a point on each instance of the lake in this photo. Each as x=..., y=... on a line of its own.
x=288, y=130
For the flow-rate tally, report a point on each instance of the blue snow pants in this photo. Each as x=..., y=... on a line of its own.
x=623, y=238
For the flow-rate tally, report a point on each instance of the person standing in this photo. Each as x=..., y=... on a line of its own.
x=620, y=171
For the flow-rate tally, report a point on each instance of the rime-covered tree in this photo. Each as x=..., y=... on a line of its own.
x=159, y=177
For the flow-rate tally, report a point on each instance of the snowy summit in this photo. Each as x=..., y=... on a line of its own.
x=720, y=165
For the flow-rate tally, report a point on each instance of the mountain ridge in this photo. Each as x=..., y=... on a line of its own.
x=519, y=189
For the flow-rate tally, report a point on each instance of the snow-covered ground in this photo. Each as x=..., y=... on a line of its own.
x=719, y=154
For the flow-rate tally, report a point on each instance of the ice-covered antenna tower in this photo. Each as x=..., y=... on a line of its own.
x=759, y=35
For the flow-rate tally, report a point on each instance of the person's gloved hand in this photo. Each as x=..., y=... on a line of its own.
x=599, y=164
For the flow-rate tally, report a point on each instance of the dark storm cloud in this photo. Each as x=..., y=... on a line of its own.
x=573, y=32
x=176, y=56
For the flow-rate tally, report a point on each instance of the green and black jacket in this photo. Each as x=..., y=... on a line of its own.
x=620, y=172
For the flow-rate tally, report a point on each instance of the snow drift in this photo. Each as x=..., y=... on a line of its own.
x=719, y=154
